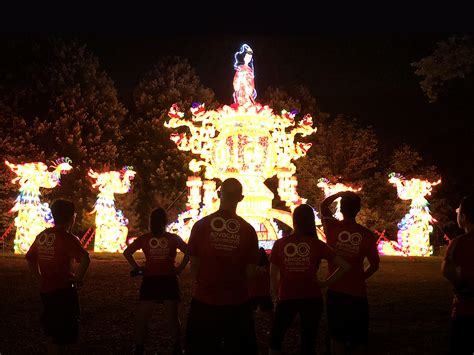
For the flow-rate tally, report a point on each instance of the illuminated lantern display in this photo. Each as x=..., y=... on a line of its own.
x=246, y=141
x=33, y=216
x=111, y=225
x=413, y=238
x=333, y=188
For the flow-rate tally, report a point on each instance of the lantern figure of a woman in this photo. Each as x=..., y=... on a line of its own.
x=244, y=87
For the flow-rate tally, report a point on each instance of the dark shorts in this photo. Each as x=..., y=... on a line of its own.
x=60, y=319
x=160, y=288
x=265, y=303
x=215, y=329
x=309, y=310
x=348, y=318
x=460, y=335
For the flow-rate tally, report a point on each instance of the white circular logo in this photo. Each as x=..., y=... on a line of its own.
x=218, y=224
x=153, y=243
x=42, y=239
x=346, y=237
x=232, y=226
x=301, y=249
x=163, y=243
x=50, y=239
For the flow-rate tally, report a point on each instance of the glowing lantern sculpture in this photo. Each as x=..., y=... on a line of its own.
x=111, y=224
x=333, y=188
x=33, y=216
x=246, y=141
x=413, y=238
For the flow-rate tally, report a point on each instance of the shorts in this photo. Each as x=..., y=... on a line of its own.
x=159, y=288
x=460, y=335
x=348, y=318
x=265, y=303
x=213, y=329
x=310, y=311
x=60, y=319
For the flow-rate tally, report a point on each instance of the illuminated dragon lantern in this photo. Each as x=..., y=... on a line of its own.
x=413, y=238
x=246, y=141
x=33, y=216
x=111, y=224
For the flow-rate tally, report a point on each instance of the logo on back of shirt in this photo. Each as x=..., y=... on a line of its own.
x=297, y=257
x=46, y=245
x=349, y=242
x=159, y=247
x=224, y=233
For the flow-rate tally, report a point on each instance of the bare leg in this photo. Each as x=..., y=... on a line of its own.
x=171, y=312
x=142, y=317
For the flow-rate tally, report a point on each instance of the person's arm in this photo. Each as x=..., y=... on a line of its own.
x=373, y=259
x=324, y=207
x=448, y=267
x=129, y=251
x=183, y=247
x=32, y=259
x=274, y=281
x=343, y=267
x=195, y=263
x=82, y=268
x=253, y=256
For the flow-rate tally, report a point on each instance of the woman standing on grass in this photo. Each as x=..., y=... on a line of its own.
x=294, y=284
x=160, y=277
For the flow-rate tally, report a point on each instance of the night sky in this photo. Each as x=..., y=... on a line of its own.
x=366, y=76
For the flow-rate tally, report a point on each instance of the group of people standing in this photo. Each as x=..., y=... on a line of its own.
x=227, y=267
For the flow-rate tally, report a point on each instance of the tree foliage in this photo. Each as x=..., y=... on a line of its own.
x=453, y=58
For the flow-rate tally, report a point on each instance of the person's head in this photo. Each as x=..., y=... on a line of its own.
x=465, y=213
x=64, y=213
x=230, y=193
x=158, y=221
x=244, y=56
x=303, y=221
x=350, y=205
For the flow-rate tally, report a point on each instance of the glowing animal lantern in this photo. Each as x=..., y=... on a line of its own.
x=246, y=141
x=413, y=238
x=111, y=224
x=33, y=216
x=333, y=188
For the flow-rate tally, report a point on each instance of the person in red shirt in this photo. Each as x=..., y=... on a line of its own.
x=295, y=261
x=346, y=299
x=458, y=268
x=160, y=276
x=223, y=249
x=50, y=259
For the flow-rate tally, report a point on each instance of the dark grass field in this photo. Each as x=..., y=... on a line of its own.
x=409, y=310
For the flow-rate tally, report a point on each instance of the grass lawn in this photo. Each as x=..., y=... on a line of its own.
x=409, y=309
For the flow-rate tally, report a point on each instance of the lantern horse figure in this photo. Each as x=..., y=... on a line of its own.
x=33, y=216
x=111, y=224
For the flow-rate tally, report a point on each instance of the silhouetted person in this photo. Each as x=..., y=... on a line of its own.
x=223, y=249
x=295, y=286
x=347, y=306
x=160, y=277
x=259, y=286
x=50, y=259
x=458, y=268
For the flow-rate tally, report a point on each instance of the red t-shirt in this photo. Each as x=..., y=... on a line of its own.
x=54, y=250
x=160, y=252
x=225, y=244
x=461, y=251
x=354, y=243
x=260, y=285
x=298, y=259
